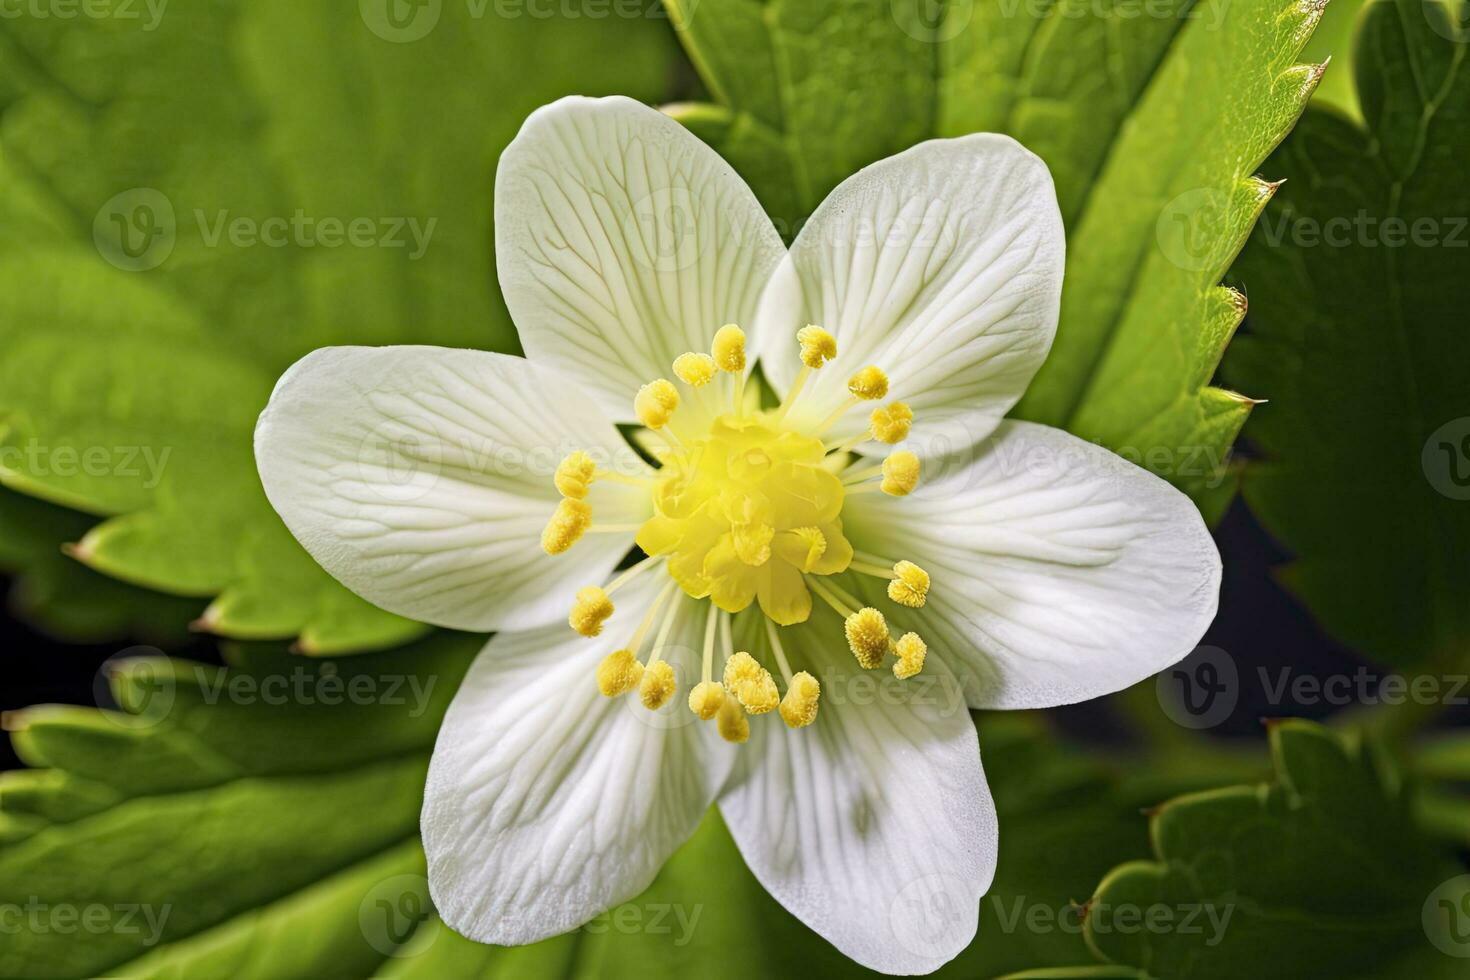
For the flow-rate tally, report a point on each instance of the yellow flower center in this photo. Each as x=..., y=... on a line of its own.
x=749, y=512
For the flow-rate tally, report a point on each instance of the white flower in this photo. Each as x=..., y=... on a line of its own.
x=986, y=562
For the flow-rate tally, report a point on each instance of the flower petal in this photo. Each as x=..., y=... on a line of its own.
x=421, y=478
x=1061, y=572
x=622, y=241
x=548, y=803
x=943, y=266
x=873, y=825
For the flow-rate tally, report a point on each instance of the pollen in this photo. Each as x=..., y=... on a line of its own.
x=868, y=384
x=751, y=684
x=574, y=475
x=867, y=635
x=814, y=544
x=891, y=423
x=911, y=650
x=799, y=706
x=900, y=473
x=817, y=346
x=618, y=673
x=695, y=369
x=657, y=685
x=590, y=611
x=732, y=723
x=910, y=585
x=655, y=403
x=706, y=698
x=729, y=348
x=566, y=526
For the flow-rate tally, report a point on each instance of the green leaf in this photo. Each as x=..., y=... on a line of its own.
x=64, y=598
x=223, y=138
x=271, y=832
x=1152, y=125
x=1320, y=873
x=1358, y=339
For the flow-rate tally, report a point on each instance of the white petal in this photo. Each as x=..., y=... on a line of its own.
x=421, y=478
x=943, y=266
x=622, y=241
x=873, y=825
x=548, y=803
x=1061, y=572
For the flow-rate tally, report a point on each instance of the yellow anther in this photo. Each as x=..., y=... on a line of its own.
x=729, y=348
x=900, y=473
x=569, y=523
x=657, y=685
x=817, y=346
x=751, y=684
x=618, y=673
x=910, y=586
x=868, y=384
x=867, y=635
x=655, y=403
x=695, y=369
x=574, y=475
x=799, y=706
x=590, y=611
x=911, y=651
x=891, y=423
x=732, y=724
x=706, y=698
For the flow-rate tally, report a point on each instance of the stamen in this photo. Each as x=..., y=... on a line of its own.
x=910, y=650
x=751, y=683
x=590, y=611
x=618, y=673
x=868, y=384
x=731, y=723
x=900, y=473
x=867, y=635
x=799, y=706
x=817, y=346
x=632, y=572
x=706, y=699
x=657, y=685
x=574, y=475
x=729, y=349
x=777, y=649
x=568, y=523
x=908, y=583
x=891, y=423
x=695, y=369
x=655, y=403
